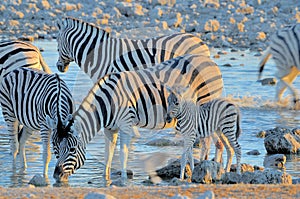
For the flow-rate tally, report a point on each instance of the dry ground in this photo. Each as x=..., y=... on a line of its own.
x=220, y=191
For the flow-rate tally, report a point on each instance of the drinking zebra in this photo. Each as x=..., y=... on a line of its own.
x=194, y=121
x=98, y=54
x=285, y=49
x=37, y=101
x=119, y=101
x=15, y=54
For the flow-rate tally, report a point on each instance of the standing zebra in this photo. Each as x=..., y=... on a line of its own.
x=15, y=54
x=38, y=101
x=98, y=54
x=119, y=101
x=285, y=49
x=202, y=121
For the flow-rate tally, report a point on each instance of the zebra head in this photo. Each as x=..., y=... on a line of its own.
x=63, y=47
x=173, y=102
x=71, y=151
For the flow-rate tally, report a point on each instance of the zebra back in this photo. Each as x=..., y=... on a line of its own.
x=98, y=54
x=15, y=54
x=285, y=49
x=107, y=101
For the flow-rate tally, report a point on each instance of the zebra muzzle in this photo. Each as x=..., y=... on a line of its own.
x=168, y=118
x=59, y=175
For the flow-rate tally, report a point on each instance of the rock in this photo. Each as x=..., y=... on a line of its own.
x=95, y=195
x=261, y=134
x=253, y=152
x=283, y=141
x=207, y=195
x=118, y=173
x=268, y=176
x=207, y=172
x=268, y=81
x=177, y=182
x=178, y=196
x=244, y=167
x=172, y=170
x=276, y=160
x=164, y=142
x=38, y=181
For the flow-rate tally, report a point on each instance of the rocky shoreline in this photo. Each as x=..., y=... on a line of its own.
x=220, y=23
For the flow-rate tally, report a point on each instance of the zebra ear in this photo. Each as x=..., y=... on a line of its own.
x=51, y=122
x=68, y=118
x=76, y=128
x=59, y=24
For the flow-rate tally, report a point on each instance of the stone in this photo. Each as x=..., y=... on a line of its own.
x=207, y=172
x=253, y=152
x=38, y=181
x=95, y=195
x=268, y=81
x=212, y=25
x=276, y=160
x=282, y=141
x=163, y=142
x=207, y=195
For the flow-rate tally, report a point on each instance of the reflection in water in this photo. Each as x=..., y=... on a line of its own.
x=258, y=110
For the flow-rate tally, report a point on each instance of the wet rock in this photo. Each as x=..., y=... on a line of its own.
x=268, y=176
x=164, y=142
x=268, y=81
x=253, y=152
x=244, y=168
x=282, y=141
x=118, y=173
x=38, y=181
x=207, y=172
x=172, y=170
x=276, y=160
x=177, y=182
x=261, y=134
x=95, y=195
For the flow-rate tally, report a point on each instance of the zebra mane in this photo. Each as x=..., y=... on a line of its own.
x=78, y=21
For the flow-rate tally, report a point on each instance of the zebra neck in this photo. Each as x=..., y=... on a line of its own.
x=187, y=112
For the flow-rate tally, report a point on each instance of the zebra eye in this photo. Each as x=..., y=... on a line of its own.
x=176, y=103
x=72, y=149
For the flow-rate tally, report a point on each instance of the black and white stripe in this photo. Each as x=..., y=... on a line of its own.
x=98, y=54
x=39, y=102
x=15, y=54
x=194, y=121
x=119, y=101
x=285, y=49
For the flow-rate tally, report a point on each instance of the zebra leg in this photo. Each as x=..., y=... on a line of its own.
x=125, y=139
x=24, y=134
x=229, y=151
x=204, y=145
x=12, y=128
x=110, y=145
x=191, y=161
x=219, y=148
x=45, y=134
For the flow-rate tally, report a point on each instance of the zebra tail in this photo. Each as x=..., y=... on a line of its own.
x=238, y=125
x=44, y=65
x=263, y=61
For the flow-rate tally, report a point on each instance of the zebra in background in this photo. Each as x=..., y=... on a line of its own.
x=194, y=121
x=37, y=101
x=15, y=54
x=285, y=49
x=98, y=54
x=119, y=101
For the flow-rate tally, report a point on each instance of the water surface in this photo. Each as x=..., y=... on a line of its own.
x=258, y=110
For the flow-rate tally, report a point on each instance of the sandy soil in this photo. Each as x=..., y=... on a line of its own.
x=220, y=191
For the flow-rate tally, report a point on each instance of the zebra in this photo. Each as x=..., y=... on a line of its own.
x=37, y=101
x=97, y=53
x=285, y=49
x=16, y=53
x=199, y=121
x=121, y=101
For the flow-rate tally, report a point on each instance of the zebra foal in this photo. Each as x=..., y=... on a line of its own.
x=285, y=49
x=15, y=54
x=201, y=121
x=37, y=101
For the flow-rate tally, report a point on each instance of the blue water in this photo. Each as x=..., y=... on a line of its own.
x=258, y=110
